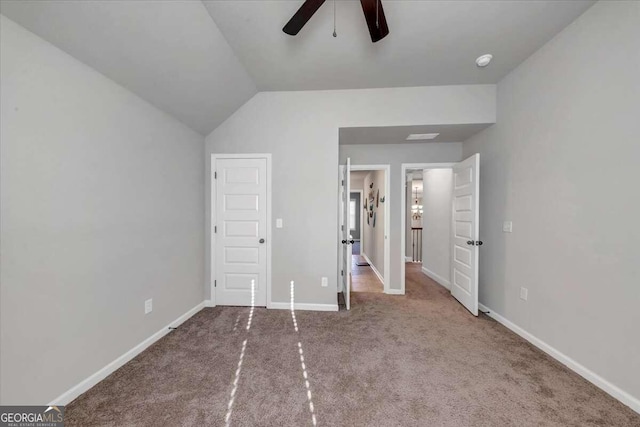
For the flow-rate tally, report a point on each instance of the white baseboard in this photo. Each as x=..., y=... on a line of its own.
x=394, y=292
x=586, y=373
x=437, y=278
x=408, y=259
x=303, y=306
x=75, y=391
x=373, y=267
x=209, y=303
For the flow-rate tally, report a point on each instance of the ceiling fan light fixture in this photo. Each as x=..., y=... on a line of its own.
x=373, y=14
x=484, y=60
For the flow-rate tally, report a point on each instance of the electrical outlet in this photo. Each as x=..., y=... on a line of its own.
x=507, y=227
x=279, y=223
x=324, y=282
x=148, y=306
x=524, y=293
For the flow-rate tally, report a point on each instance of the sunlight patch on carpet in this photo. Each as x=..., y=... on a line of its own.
x=234, y=389
x=305, y=374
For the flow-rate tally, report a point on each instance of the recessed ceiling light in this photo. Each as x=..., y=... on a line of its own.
x=418, y=136
x=484, y=60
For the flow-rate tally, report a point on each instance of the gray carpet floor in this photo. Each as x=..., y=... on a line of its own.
x=414, y=360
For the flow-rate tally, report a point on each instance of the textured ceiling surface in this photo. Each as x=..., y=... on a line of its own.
x=430, y=43
x=200, y=61
x=169, y=53
x=399, y=134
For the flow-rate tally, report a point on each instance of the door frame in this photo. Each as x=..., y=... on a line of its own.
x=212, y=249
x=404, y=167
x=387, y=219
x=361, y=192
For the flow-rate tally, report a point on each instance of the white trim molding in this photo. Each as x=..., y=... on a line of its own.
x=84, y=385
x=373, y=267
x=437, y=278
x=304, y=306
x=586, y=373
x=394, y=292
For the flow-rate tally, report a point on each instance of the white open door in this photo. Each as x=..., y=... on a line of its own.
x=465, y=240
x=346, y=238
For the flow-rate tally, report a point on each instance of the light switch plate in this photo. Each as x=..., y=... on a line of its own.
x=148, y=306
x=279, y=223
x=324, y=282
x=507, y=226
x=524, y=293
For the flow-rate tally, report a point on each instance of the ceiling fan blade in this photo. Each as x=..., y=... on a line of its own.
x=377, y=23
x=306, y=11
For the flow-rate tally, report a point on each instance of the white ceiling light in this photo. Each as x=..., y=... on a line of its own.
x=419, y=136
x=484, y=60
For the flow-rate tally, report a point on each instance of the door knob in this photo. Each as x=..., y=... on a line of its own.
x=344, y=242
x=261, y=240
x=351, y=241
x=470, y=242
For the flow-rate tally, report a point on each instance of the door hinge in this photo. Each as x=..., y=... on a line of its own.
x=342, y=227
x=215, y=283
x=215, y=228
x=343, y=182
x=215, y=175
x=342, y=272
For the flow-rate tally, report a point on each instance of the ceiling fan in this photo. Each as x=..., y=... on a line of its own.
x=373, y=14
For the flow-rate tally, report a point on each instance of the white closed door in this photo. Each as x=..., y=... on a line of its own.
x=240, y=231
x=465, y=240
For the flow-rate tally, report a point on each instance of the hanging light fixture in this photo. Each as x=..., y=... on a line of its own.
x=416, y=207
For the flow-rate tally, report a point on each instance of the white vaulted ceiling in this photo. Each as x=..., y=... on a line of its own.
x=200, y=61
x=168, y=52
x=430, y=43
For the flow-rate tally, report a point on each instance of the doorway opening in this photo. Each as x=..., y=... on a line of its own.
x=440, y=226
x=367, y=229
x=428, y=213
x=364, y=226
x=427, y=221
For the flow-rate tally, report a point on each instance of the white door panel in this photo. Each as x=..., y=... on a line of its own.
x=465, y=239
x=241, y=224
x=347, y=248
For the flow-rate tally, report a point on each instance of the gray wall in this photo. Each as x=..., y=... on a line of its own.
x=395, y=155
x=301, y=129
x=373, y=245
x=436, y=223
x=102, y=206
x=562, y=164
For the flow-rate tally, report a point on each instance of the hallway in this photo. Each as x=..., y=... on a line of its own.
x=363, y=279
